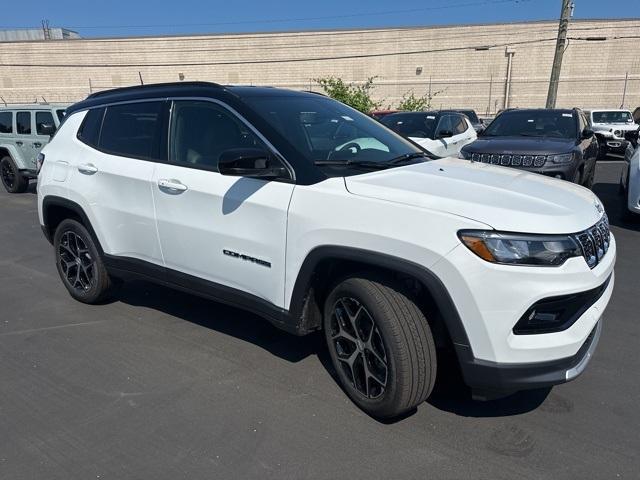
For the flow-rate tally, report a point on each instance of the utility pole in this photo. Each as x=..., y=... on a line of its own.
x=565, y=14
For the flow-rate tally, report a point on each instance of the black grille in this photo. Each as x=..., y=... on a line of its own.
x=595, y=241
x=511, y=160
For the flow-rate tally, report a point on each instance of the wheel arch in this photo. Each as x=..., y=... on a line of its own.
x=56, y=209
x=6, y=149
x=324, y=265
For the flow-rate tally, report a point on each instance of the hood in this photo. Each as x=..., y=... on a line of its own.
x=503, y=198
x=521, y=145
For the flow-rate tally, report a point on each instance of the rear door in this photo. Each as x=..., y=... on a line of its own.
x=118, y=147
x=227, y=230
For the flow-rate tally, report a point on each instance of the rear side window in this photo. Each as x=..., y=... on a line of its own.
x=23, y=123
x=89, y=132
x=60, y=114
x=459, y=125
x=6, y=122
x=42, y=119
x=132, y=130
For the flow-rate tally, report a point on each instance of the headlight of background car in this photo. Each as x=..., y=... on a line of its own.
x=564, y=158
x=520, y=249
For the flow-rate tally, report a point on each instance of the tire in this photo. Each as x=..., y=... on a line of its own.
x=393, y=340
x=12, y=179
x=79, y=263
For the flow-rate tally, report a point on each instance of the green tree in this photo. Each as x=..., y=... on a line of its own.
x=356, y=96
x=411, y=103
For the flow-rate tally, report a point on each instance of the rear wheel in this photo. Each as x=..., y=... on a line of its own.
x=12, y=179
x=79, y=264
x=380, y=344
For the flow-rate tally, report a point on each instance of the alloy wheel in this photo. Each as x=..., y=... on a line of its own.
x=8, y=175
x=359, y=348
x=75, y=260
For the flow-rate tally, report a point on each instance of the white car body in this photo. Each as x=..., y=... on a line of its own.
x=630, y=181
x=449, y=146
x=610, y=132
x=410, y=213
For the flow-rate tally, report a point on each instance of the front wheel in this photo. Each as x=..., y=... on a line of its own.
x=79, y=264
x=12, y=180
x=380, y=344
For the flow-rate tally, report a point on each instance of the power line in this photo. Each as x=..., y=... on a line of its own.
x=47, y=50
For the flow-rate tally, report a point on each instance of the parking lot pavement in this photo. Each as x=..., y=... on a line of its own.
x=159, y=384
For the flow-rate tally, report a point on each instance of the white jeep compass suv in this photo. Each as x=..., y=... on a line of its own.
x=301, y=209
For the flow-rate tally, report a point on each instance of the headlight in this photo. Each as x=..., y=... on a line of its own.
x=564, y=158
x=520, y=249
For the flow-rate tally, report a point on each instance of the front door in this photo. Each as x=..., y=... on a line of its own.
x=227, y=230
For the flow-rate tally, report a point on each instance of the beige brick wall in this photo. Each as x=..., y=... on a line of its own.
x=592, y=76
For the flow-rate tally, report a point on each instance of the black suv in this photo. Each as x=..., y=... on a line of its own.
x=557, y=142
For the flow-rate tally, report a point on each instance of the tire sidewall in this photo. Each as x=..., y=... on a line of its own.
x=377, y=407
x=19, y=182
x=98, y=285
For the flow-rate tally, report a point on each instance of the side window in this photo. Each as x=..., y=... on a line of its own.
x=42, y=119
x=6, y=122
x=202, y=131
x=89, y=131
x=459, y=125
x=23, y=123
x=445, y=124
x=132, y=130
x=60, y=113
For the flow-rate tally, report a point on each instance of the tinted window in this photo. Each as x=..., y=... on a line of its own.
x=322, y=129
x=417, y=125
x=23, y=123
x=6, y=122
x=90, y=129
x=42, y=119
x=446, y=124
x=533, y=123
x=132, y=130
x=459, y=125
x=612, y=117
x=202, y=131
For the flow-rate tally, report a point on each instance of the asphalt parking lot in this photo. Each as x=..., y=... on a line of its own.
x=160, y=384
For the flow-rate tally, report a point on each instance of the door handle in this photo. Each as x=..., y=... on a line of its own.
x=87, y=168
x=19, y=143
x=37, y=144
x=172, y=186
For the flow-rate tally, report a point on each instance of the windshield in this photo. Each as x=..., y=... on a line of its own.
x=612, y=117
x=324, y=130
x=536, y=123
x=471, y=115
x=416, y=125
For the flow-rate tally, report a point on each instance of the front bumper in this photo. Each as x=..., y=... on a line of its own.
x=507, y=378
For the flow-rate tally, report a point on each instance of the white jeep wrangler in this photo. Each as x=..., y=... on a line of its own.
x=301, y=209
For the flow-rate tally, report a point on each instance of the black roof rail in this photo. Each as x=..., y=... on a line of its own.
x=154, y=85
x=316, y=93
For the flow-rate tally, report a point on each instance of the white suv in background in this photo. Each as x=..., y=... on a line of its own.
x=303, y=210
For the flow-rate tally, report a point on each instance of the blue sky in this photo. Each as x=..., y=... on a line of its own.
x=151, y=17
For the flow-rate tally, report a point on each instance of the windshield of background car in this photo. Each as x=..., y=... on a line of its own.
x=417, y=125
x=612, y=117
x=326, y=130
x=538, y=123
x=471, y=115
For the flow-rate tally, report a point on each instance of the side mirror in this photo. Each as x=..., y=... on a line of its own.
x=250, y=162
x=444, y=134
x=46, y=129
x=587, y=133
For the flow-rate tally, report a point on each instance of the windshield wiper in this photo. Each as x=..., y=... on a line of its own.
x=407, y=157
x=352, y=163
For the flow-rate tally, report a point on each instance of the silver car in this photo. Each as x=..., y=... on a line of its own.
x=24, y=130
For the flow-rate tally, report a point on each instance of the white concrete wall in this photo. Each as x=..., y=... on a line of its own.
x=592, y=76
